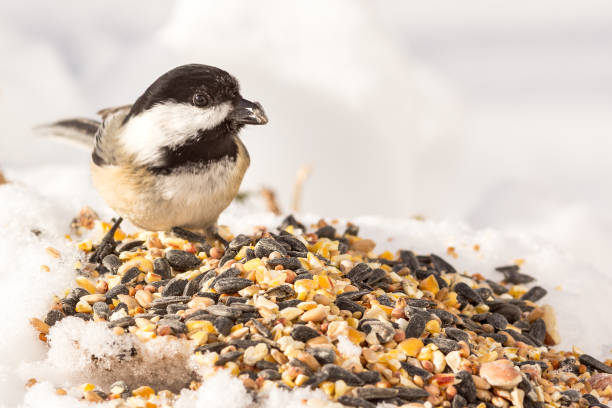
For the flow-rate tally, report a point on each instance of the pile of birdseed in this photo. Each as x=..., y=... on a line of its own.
x=320, y=310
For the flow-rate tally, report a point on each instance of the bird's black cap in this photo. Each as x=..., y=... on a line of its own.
x=182, y=83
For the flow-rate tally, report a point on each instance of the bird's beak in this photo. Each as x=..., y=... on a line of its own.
x=249, y=113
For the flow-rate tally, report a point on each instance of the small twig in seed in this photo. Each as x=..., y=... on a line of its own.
x=301, y=177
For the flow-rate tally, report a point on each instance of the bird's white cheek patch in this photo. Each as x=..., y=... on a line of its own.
x=168, y=125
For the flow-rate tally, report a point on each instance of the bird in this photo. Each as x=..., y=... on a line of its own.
x=173, y=159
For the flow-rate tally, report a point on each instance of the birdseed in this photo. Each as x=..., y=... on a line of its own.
x=319, y=310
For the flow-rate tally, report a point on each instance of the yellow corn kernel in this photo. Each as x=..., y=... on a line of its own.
x=430, y=284
x=307, y=305
x=304, y=285
x=88, y=387
x=411, y=346
x=432, y=326
x=140, y=262
x=150, y=405
x=328, y=388
x=300, y=379
x=482, y=308
x=286, y=378
x=242, y=253
x=340, y=388
x=356, y=336
x=152, y=277
x=197, y=325
x=200, y=337
x=232, y=367
x=352, y=322
x=314, y=262
x=86, y=284
x=85, y=245
x=451, y=299
x=252, y=264
x=425, y=354
x=83, y=307
x=322, y=281
x=237, y=327
x=145, y=392
x=516, y=291
x=386, y=255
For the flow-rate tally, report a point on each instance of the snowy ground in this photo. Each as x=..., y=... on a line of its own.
x=491, y=121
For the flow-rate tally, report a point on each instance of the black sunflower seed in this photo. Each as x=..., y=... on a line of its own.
x=116, y=291
x=498, y=321
x=266, y=246
x=534, y=294
x=497, y=288
x=174, y=324
x=537, y=330
x=174, y=287
x=346, y=304
x=222, y=310
x=375, y=393
x=414, y=370
x=281, y=292
x=324, y=355
x=470, y=294
x=369, y=377
x=122, y=322
x=227, y=357
x=411, y=394
x=303, y=333
x=238, y=242
x=416, y=326
x=286, y=262
x=457, y=334
x=231, y=285
x=182, y=260
x=128, y=246
x=161, y=267
x=101, y=309
x=509, y=311
x=326, y=231
x=512, y=275
x=336, y=373
x=353, y=295
x=223, y=325
x=130, y=276
x=466, y=387
x=445, y=345
x=270, y=374
x=55, y=316
x=111, y=262
x=168, y=300
x=355, y=402
x=593, y=363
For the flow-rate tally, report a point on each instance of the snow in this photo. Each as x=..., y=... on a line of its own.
x=491, y=122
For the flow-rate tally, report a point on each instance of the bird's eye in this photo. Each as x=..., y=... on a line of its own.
x=200, y=99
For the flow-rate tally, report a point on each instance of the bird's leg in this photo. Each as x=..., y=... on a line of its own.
x=213, y=234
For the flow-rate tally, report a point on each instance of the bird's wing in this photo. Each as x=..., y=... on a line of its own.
x=105, y=113
x=105, y=149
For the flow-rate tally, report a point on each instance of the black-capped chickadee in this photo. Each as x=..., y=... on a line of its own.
x=173, y=158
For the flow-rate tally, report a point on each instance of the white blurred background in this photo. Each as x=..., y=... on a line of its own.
x=493, y=113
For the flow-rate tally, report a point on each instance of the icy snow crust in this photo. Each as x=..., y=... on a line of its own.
x=581, y=304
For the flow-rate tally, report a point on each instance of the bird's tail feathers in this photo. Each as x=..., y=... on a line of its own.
x=81, y=131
